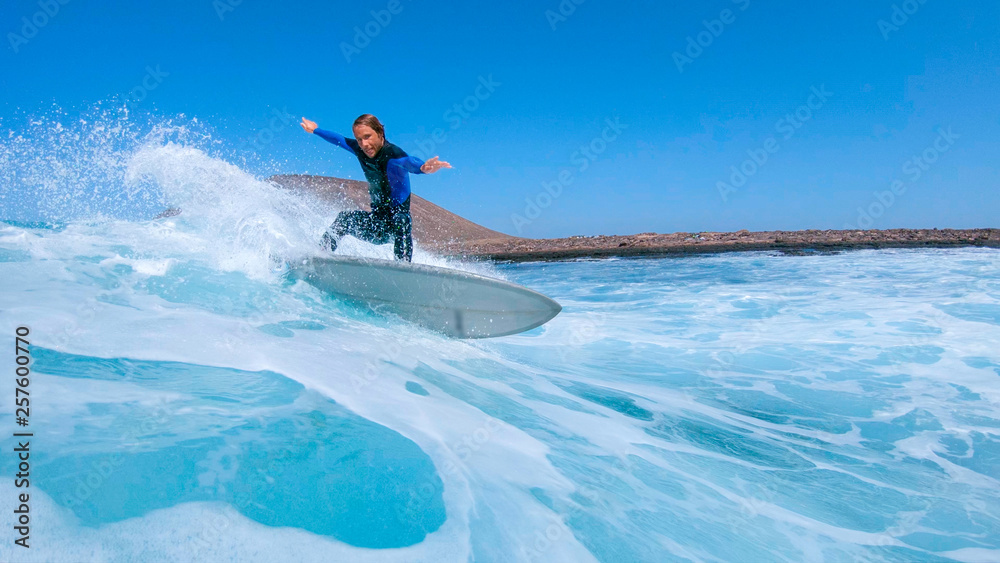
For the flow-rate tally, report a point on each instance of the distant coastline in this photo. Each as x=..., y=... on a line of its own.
x=444, y=232
x=787, y=242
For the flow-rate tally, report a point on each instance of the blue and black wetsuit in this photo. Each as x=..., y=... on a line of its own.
x=389, y=187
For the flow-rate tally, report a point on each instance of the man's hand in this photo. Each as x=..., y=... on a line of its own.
x=309, y=126
x=433, y=165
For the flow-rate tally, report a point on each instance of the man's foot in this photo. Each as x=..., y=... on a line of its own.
x=328, y=243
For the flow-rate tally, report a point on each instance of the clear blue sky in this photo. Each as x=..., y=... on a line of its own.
x=555, y=82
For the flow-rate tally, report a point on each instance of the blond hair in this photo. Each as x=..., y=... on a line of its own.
x=371, y=121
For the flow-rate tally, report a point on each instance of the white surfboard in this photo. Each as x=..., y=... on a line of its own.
x=459, y=304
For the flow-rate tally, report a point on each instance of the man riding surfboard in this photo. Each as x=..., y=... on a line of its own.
x=387, y=169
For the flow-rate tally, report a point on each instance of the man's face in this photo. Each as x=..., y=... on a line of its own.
x=369, y=140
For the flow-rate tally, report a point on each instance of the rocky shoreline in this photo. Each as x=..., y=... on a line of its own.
x=514, y=249
x=444, y=232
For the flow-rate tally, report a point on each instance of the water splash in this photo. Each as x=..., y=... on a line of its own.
x=62, y=166
x=106, y=172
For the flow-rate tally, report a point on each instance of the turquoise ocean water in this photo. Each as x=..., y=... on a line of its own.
x=191, y=403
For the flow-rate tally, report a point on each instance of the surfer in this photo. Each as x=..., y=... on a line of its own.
x=387, y=169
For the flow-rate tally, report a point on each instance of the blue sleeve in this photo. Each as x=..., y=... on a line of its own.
x=411, y=164
x=337, y=139
x=397, y=170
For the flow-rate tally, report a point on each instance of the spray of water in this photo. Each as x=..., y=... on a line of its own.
x=118, y=171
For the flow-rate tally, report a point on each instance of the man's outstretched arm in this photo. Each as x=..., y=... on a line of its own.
x=399, y=180
x=409, y=164
x=414, y=165
x=335, y=138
